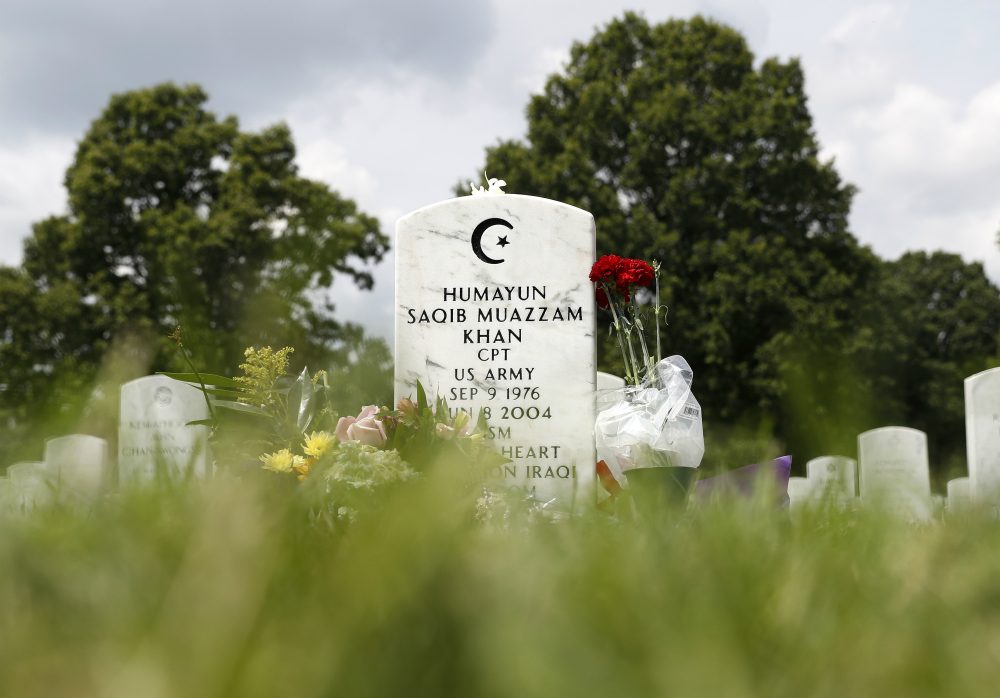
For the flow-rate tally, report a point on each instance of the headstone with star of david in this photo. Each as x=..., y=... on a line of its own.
x=155, y=441
x=894, y=471
x=835, y=476
x=982, y=434
x=495, y=311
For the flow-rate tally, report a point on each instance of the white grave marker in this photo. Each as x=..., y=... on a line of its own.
x=801, y=492
x=153, y=436
x=959, y=494
x=609, y=381
x=495, y=310
x=609, y=390
x=31, y=485
x=894, y=470
x=982, y=433
x=835, y=476
x=79, y=464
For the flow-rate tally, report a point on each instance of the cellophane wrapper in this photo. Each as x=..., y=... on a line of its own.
x=656, y=424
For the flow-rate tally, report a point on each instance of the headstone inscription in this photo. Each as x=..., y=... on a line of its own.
x=894, y=470
x=495, y=310
x=30, y=486
x=79, y=465
x=982, y=434
x=834, y=476
x=154, y=439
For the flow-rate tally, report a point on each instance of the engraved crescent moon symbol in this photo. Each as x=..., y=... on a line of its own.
x=477, y=238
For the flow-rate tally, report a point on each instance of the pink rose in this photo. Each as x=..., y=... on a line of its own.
x=364, y=428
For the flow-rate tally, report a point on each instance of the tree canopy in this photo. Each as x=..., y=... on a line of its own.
x=690, y=151
x=687, y=153
x=178, y=218
x=935, y=320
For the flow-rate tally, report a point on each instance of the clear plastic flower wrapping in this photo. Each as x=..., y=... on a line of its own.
x=655, y=424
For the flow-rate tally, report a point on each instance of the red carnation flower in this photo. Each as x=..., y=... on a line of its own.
x=606, y=268
x=602, y=298
x=633, y=272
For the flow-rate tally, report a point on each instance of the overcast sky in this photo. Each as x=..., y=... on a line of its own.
x=392, y=101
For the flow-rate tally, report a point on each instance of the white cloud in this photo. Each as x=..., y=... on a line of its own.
x=326, y=160
x=396, y=125
x=31, y=175
x=930, y=165
x=868, y=22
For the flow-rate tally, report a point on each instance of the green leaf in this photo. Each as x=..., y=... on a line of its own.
x=300, y=401
x=421, y=396
x=441, y=410
x=240, y=407
x=224, y=394
x=206, y=378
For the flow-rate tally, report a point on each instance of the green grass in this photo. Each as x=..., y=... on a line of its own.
x=236, y=590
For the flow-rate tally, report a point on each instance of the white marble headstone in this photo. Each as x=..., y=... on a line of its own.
x=894, y=470
x=153, y=432
x=609, y=381
x=959, y=494
x=80, y=466
x=495, y=310
x=801, y=492
x=609, y=390
x=31, y=485
x=835, y=476
x=982, y=434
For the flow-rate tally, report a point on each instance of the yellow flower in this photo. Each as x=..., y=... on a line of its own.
x=282, y=461
x=302, y=470
x=318, y=443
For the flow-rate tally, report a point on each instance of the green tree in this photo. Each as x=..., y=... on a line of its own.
x=177, y=217
x=689, y=154
x=933, y=321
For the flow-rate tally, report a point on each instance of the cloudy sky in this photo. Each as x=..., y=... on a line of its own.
x=392, y=101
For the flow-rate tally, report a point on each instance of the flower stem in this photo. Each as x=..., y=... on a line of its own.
x=656, y=310
x=619, y=329
x=646, y=358
x=631, y=350
x=176, y=336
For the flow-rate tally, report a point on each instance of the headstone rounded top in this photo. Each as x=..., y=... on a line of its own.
x=25, y=469
x=77, y=438
x=982, y=374
x=882, y=430
x=152, y=379
x=500, y=201
x=827, y=464
x=959, y=483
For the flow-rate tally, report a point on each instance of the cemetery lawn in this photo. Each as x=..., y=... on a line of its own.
x=233, y=590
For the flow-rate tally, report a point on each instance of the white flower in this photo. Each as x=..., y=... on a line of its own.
x=495, y=186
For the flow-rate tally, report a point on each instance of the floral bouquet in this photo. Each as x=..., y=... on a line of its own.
x=654, y=421
x=267, y=423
